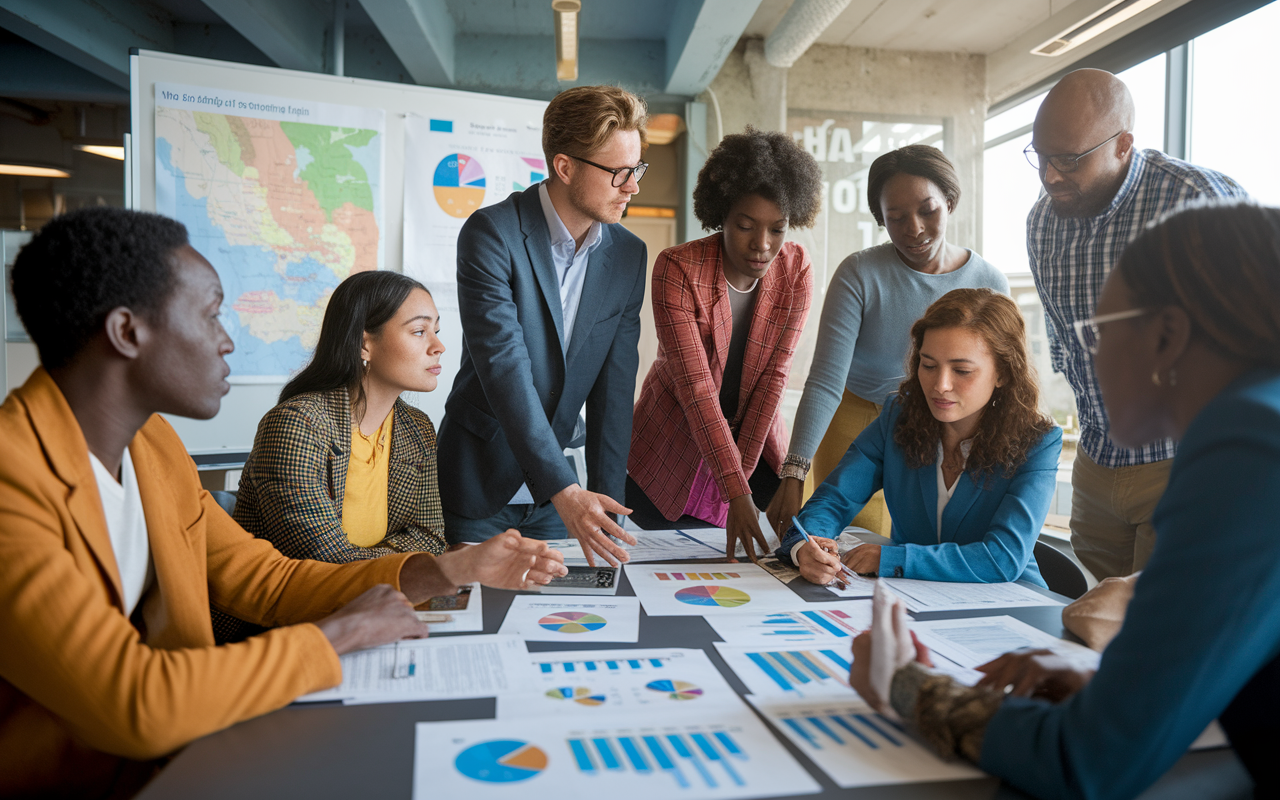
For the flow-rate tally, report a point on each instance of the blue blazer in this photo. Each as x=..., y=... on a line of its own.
x=515, y=402
x=989, y=528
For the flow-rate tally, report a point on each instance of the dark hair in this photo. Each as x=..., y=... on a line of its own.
x=82, y=265
x=1220, y=262
x=769, y=164
x=361, y=304
x=920, y=160
x=1011, y=424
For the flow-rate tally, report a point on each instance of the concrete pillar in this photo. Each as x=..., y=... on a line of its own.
x=768, y=88
x=693, y=155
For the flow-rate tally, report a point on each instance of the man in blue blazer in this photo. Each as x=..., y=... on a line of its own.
x=550, y=289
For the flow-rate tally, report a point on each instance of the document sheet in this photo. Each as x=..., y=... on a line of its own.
x=707, y=590
x=945, y=596
x=628, y=756
x=432, y=669
x=560, y=618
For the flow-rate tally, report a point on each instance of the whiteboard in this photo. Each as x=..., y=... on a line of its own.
x=232, y=430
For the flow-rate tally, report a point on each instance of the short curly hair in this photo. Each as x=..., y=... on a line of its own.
x=766, y=163
x=920, y=160
x=82, y=265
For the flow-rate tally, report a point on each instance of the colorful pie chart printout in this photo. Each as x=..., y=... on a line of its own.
x=501, y=761
x=723, y=596
x=675, y=690
x=578, y=694
x=573, y=622
x=459, y=185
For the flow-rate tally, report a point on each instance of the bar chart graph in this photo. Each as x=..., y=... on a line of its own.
x=696, y=576
x=601, y=665
x=855, y=745
x=794, y=672
x=692, y=755
x=796, y=627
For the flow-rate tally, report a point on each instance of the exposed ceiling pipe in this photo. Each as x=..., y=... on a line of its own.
x=800, y=27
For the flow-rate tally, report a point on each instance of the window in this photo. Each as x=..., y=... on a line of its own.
x=1234, y=86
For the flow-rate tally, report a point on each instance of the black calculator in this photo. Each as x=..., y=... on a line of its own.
x=584, y=580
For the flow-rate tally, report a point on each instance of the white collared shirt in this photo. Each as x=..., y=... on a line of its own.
x=127, y=527
x=571, y=271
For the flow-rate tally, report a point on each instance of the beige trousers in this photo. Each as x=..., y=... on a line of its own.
x=1111, y=509
x=853, y=415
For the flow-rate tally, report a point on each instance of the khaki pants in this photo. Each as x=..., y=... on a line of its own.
x=1111, y=511
x=851, y=418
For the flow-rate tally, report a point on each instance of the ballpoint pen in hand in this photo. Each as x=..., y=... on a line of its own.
x=844, y=570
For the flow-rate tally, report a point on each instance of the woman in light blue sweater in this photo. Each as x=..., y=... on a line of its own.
x=874, y=297
x=1187, y=344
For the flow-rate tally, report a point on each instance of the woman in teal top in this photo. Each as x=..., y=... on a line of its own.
x=967, y=461
x=1187, y=345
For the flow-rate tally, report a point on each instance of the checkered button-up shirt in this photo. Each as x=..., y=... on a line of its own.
x=1071, y=258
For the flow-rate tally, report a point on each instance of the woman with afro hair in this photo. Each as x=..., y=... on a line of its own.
x=707, y=439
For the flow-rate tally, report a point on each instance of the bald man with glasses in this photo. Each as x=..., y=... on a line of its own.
x=1099, y=193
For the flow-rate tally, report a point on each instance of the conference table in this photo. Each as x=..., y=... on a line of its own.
x=333, y=751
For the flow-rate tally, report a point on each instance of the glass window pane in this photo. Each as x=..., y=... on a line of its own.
x=1020, y=115
x=1234, y=86
x=1010, y=187
x=1146, y=84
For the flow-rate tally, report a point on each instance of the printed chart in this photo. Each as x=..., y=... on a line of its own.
x=600, y=683
x=856, y=746
x=709, y=589
x=458, y=183
x=501, y=761
x=564, y=619
x=829, y=622
x=529, y=172
x=626, y=758
x=668, y=545
x=792, y=672
x=945, y=596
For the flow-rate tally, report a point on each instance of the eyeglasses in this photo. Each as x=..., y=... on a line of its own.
x=1087, y=329
x=620, y=175
x=1062, y=162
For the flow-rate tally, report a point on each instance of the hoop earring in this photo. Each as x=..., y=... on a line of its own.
x=1155, y=377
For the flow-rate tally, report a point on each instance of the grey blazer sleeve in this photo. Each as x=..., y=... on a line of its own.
x=495, y=339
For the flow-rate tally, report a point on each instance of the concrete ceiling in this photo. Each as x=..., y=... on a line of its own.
x=668, y=50
x=950, y=26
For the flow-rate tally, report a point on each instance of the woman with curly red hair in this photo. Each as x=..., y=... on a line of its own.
x=967, y=461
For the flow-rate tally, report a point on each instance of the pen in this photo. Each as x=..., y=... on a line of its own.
x=844, y=570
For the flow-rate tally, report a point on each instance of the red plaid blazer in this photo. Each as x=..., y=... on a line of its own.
x=678, y=421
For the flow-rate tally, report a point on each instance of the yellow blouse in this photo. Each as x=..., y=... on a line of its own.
x=364, y=500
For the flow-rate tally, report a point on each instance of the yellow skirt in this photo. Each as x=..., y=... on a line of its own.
x=853, y=415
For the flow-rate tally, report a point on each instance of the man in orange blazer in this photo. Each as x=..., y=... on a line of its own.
x=110, y=552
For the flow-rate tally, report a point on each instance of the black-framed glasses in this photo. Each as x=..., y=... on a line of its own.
x=1062, y=162
x=620, y=175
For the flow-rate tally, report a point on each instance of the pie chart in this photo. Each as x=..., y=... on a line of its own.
x=459, y=185
x=676, y=690
x=578, y=694
x=722, y=596
x=573, y=622
x=501, y=761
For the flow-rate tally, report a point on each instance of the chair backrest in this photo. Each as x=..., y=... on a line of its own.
x=1059, y=571
x=228, y=502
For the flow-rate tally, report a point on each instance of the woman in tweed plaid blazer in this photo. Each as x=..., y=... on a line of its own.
x=729, y=309
x=378, y=339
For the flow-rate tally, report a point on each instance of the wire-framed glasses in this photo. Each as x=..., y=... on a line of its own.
x=1087, y=329
x=1062, y=162
x=621, y=174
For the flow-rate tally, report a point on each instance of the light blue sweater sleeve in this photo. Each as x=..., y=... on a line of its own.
x=832, y=354
x=1204, y=619
x=1000, y=550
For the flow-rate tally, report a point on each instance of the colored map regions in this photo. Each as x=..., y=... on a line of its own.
x=578, y=694
x=501, y=761
x=573, y=622
x=713, y=596
x=676, y=690
x=459, y=185
x=283, y=210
